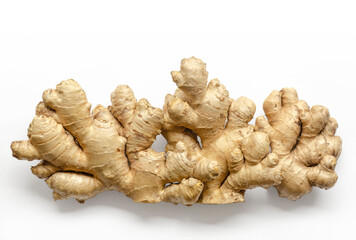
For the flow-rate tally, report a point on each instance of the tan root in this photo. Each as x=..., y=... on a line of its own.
x=85, y=152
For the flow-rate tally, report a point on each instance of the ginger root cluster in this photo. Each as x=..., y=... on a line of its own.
x=86, y=152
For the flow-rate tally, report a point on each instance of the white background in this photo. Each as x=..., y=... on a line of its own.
x=253, y=47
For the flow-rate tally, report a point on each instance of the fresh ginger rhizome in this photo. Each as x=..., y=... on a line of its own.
x=85, y=152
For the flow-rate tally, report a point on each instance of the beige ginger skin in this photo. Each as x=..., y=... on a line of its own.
x=85, y=152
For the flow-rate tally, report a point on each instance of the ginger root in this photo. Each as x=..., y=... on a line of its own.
x=83, y=153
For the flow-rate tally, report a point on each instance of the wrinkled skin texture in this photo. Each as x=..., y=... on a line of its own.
x=85, y=152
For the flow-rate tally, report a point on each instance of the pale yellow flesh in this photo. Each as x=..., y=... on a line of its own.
x=84, y=153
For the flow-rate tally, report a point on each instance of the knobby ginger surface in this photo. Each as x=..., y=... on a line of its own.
x=85, y=152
